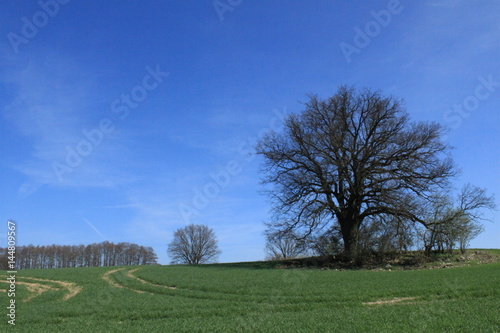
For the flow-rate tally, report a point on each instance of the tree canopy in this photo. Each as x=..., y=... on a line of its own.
x=351, y=157
x=193, y=244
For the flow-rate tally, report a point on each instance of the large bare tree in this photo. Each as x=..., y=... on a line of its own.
x=352, y=156
x=193, y=244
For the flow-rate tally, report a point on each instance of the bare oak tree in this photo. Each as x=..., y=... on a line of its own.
x=194, y=244
x=350, y=157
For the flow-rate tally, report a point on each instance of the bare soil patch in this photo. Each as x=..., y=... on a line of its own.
x=390, y=301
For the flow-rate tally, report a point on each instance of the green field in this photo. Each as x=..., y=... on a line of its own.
x=255, y=298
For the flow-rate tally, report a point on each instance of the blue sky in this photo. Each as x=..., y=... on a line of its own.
x=116, y=115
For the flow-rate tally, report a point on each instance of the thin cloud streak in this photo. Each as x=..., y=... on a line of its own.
x=51, y=109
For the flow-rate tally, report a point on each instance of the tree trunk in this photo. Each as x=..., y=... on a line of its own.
x=350, y=230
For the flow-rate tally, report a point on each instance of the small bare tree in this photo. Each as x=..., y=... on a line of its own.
x=194, y=244
x=283, y=246
x=450, y=224
x=473, y=203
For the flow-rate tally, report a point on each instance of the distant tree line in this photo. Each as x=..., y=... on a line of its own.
x=92, y=255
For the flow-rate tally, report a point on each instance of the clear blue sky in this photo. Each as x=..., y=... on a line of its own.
x=115, y=114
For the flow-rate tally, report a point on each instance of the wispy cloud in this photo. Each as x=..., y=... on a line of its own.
x=456, y=32
x=225, y=127
x=54, y=101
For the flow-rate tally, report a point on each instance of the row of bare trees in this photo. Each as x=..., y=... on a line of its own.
x=92, y=255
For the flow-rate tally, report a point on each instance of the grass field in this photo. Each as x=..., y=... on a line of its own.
x=251, y=297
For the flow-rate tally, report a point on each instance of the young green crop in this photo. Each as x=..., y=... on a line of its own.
x=255, y=298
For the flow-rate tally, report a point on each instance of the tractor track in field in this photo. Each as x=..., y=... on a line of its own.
x=72, y=288
x=35, y=289
x=106, y=277
x=130, y=275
